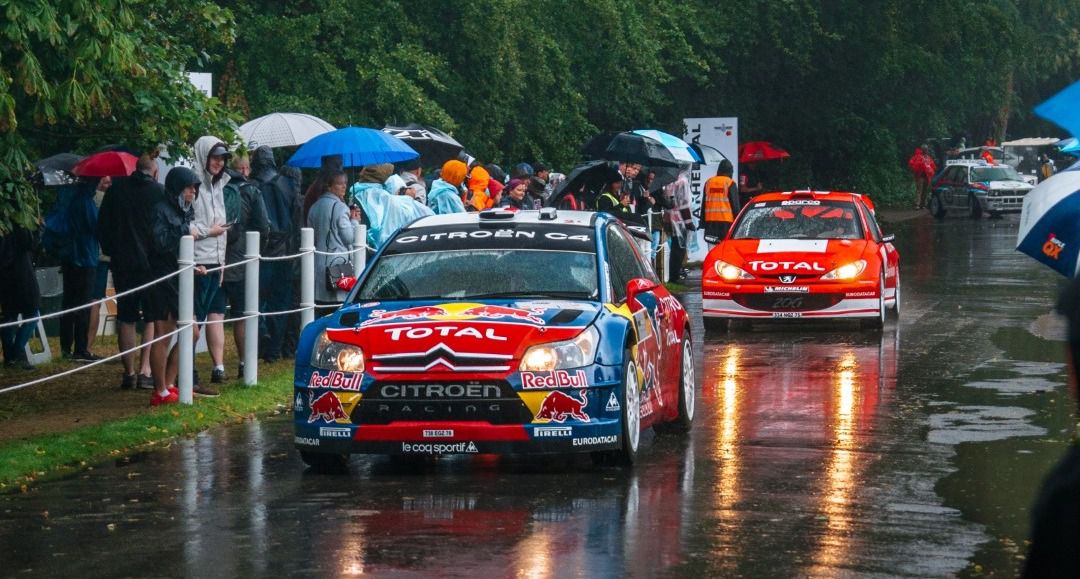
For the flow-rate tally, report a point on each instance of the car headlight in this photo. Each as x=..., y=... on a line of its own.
x=847, y=271
x=729, y=272
x=574, y=353
x=330, y=355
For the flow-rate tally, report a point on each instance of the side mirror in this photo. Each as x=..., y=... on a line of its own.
x=888, y=238
x=638, y=285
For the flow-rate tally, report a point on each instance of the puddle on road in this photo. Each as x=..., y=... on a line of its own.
x=982, y=424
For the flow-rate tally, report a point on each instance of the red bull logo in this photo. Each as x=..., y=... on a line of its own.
x=337, y=380
x=558, y=406
x=405, y=315
x=326, y=407
x=457, y=311
x=531, y=315
x=555, y=379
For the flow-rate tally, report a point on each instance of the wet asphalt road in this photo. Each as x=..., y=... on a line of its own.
x=817, y=451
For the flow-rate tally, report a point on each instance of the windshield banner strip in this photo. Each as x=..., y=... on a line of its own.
x=786, y=245
x=509, y=236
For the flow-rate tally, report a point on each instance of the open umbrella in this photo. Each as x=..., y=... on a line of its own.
x=709, y=155
x=594, y=148
x=56, y=170
x=755, y=151
x=435, y=147
x=1063, y=109
x=283, y=129
x=107, y=164
x=634, y=148
x=1070, y=146
x=584, y=181
x=357, y=147
x=1050, y=223
x=679, y=148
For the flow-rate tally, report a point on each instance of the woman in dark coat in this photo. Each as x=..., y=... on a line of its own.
x=19, y=294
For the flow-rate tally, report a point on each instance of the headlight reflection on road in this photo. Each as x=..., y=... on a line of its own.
x=839, y=473
x=728, y=443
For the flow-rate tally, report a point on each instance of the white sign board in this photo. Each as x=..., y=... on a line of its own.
x=722, y=134
x=203, y=81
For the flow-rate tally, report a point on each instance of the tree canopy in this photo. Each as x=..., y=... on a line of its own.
x=849, y=87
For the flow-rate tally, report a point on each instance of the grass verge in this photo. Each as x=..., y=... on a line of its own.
x=675, y=287
x=26, y=461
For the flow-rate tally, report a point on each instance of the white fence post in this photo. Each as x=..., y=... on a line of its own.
x=186, y=318
x=307, y=276
x=359, y=253
x=251, y=308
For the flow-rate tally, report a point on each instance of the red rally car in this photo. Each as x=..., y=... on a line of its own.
x=802, y=254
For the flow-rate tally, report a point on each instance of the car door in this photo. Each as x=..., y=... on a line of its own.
x=650, y=312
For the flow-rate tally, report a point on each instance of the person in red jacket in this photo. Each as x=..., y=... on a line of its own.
x=923, y=168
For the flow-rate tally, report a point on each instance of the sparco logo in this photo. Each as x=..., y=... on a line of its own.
x=440, y=391
x=443, y=448
x=792, y=265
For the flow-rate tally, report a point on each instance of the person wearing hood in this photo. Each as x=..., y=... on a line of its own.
x=478, y=198
x=445, y=196
x=170, y=221
x=283, y=215
x=211, y=225
x=244, y=208
x=922, y=168
x=384, y=212
x=79, y=267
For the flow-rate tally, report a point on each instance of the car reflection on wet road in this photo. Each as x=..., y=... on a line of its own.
x=817, y=451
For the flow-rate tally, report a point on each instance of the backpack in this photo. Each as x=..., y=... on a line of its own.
x=281, y=212
x=56, y=235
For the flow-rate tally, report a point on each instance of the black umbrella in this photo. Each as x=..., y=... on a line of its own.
x=585, y=181
x=663, y=176
x=594, y=148
x=634, y=148
x=709, y=155
x=435, y=147
x=56, y=170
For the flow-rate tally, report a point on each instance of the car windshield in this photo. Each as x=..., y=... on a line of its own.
x=995, y=174
x=459, y=274
x=799, y=219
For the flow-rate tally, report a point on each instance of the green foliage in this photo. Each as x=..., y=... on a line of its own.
x=76, y=74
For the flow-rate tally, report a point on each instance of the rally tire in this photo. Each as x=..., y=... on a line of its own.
x=878, y=322
x=974, y=209
x=325, y=463
x=934, y=206
x=895, y=311
x=687, y=395
x=631, y=413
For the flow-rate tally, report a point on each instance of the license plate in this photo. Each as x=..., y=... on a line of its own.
x=787, y=314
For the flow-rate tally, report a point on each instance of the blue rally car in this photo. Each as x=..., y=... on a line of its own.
x=497, y=332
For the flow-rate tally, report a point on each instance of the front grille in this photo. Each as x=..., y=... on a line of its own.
x=440, y=358
x=788, y=302
x=484, y=401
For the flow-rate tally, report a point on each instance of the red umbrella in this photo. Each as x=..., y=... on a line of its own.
x=755, y=151
x=107, y=164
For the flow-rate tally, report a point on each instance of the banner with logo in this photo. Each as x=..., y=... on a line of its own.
x=722, y=134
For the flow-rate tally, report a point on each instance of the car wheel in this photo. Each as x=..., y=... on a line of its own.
x=716, y=324
x=631, y=413
x=974, y=208
x=687, y=394
x=878, y=321
x=896, y=304
x=325, y=463
x=937, y=210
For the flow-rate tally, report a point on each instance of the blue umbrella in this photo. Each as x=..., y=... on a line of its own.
x=1070, y=146
x=679, y=148
x=1050, y=223
x=1063, y=109
x=357, y=147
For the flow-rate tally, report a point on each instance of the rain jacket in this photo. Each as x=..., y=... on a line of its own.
x=385, y=214
x=281, y=203
x=19, y=294
x=334, y=232
x=244, y=207
x=418, y=185
x=921, y=165
x=444, y=198
x=124, y=220
x=82, y=217
x=170, y=223
x=209, y=206
x=680, y=216
x=478, y=198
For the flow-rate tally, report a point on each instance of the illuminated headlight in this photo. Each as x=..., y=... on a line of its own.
x=575, y=353
x=729, y=272
x=848, y=271
x=330, y=355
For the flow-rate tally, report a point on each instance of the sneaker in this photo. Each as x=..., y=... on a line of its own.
x=128, y=383
x=200, y=390
x=171, y=397
x=174, y=389
x=144, y=382
x=217, y=376
x=84, y=357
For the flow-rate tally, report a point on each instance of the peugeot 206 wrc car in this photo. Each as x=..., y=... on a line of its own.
x=497, y=332
x=802, y=254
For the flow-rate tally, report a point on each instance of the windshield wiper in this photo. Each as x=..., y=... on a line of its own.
x=531, y=294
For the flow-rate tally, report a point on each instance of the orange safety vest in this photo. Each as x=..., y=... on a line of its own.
x=717, y=205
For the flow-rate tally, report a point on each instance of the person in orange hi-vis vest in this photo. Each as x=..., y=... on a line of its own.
x=721, y=203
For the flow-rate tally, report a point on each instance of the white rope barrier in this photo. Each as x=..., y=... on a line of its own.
x=283, y=257
x=94, y=303
x=230, y=265
x=336, y=253
x=94, y=363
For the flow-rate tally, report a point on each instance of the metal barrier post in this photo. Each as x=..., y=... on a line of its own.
x=251, y=308
x=307, y=276
x=359, y=253
x=186, y=318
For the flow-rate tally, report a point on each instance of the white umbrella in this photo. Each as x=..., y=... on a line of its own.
x=283, y=129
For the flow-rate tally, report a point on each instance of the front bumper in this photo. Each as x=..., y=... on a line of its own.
x=857, y=299
x=1012, y=204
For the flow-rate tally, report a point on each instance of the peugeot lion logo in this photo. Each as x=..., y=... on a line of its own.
x=787, y=279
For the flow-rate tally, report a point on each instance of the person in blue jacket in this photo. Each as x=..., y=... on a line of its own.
x=445, y=194
x=79, y=268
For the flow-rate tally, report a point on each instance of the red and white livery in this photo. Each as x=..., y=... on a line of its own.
x=802, y=254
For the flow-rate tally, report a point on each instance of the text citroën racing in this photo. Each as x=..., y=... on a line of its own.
x=497, y=332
